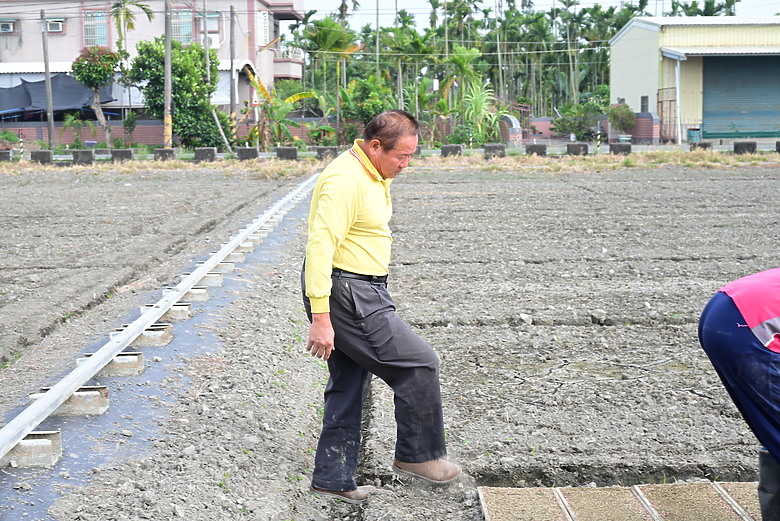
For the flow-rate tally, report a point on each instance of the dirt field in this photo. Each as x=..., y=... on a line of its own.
x=563, y=306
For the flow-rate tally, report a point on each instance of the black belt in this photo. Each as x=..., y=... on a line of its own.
x=377, y=279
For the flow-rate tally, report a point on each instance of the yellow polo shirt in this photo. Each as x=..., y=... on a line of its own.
x=348, y=224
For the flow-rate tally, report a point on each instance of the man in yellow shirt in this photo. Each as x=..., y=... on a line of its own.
x=354, y=325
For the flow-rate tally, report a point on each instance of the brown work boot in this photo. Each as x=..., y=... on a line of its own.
x=350, y=496
x=438, y=471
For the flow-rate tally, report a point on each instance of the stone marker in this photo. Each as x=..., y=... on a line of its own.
x=246, y=153
x=44, y=157
x=164, y=154
x=287, y=153
x=122, y=154
x=777, y=146
x=83, y=157
x=577, y=149
x=326, y=152
x=451, y=150
x=536, y=150
x=205, y=154
x=5, y=155
x=620, y=148
x=744, y=147
x=495, y=150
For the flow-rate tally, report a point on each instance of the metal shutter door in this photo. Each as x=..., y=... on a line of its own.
x=741, y=96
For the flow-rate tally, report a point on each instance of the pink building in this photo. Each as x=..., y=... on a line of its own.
x=71, y=26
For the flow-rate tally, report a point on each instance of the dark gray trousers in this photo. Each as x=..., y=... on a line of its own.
x=768, y=486
x=370, y=338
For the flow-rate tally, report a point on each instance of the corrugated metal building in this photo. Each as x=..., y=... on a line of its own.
x=706, y=76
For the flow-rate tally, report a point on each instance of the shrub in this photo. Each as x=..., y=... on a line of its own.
x=622, y=118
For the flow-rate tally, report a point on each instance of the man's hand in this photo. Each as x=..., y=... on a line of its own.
x=320, y=336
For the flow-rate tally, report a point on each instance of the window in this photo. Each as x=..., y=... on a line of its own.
x=7, y=26
x=95, y=28
x=644, y=103
x=262, y=28
x=181, y=25
x=212, y=22
x=55, y=25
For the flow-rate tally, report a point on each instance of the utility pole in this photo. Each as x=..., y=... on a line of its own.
x=207, y=51
x=206, y=47
x=233, y=71
x=167, y=119
x=47, y=77
x=377, y=42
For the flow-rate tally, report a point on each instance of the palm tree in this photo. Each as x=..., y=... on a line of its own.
x=327, y=37
x=708, y=8
x=124, y=18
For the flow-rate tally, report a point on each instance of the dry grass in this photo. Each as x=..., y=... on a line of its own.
x=700, y=159
x=261, y=168
x=275, y=168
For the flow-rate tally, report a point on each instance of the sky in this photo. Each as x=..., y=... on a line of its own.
x=366, y=13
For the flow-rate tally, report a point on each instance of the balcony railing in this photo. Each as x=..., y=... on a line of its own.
x=290, y=53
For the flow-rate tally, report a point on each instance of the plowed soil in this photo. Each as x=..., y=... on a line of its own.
x=563, y=306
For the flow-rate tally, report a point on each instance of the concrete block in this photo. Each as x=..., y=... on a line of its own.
x=577, y=149
x=257, y=238
x=123, y=364
x=744, y=147
x=287, y=153
x=102, y=151
x=86, y=401
x=327, y=152
x=5, y=155
x=234, y=257
x=245, y=247
x=164, y=154
x=777, y=147
x=620, y=148
x=221, y=267
x=83, y=157
x=701, y=145
x=37, y=449
x=495, y=150
x=195, y=294
x=451, y=150
x=205, y=154
x=246, y=153
x=156, y=335
x=536, y=150
x=122, y=154
x=178, y=311
x=211, y=280
x=44, y=157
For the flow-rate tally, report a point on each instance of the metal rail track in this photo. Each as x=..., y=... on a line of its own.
x=33, y=415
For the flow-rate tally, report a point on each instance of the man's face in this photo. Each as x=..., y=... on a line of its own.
x=389, y=163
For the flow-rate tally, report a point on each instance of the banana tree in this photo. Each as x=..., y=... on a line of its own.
x=273, y=125
x=481, y=115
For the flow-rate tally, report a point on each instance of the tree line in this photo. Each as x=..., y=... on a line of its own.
x=458, y=76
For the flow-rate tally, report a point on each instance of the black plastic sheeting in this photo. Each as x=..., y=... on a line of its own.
x=67, y=94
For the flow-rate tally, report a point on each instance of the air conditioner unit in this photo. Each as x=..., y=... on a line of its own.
x=54, y=26
x=213, y=40
x=6, y=27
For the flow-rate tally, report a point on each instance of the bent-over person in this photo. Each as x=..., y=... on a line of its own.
x=739, y=330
